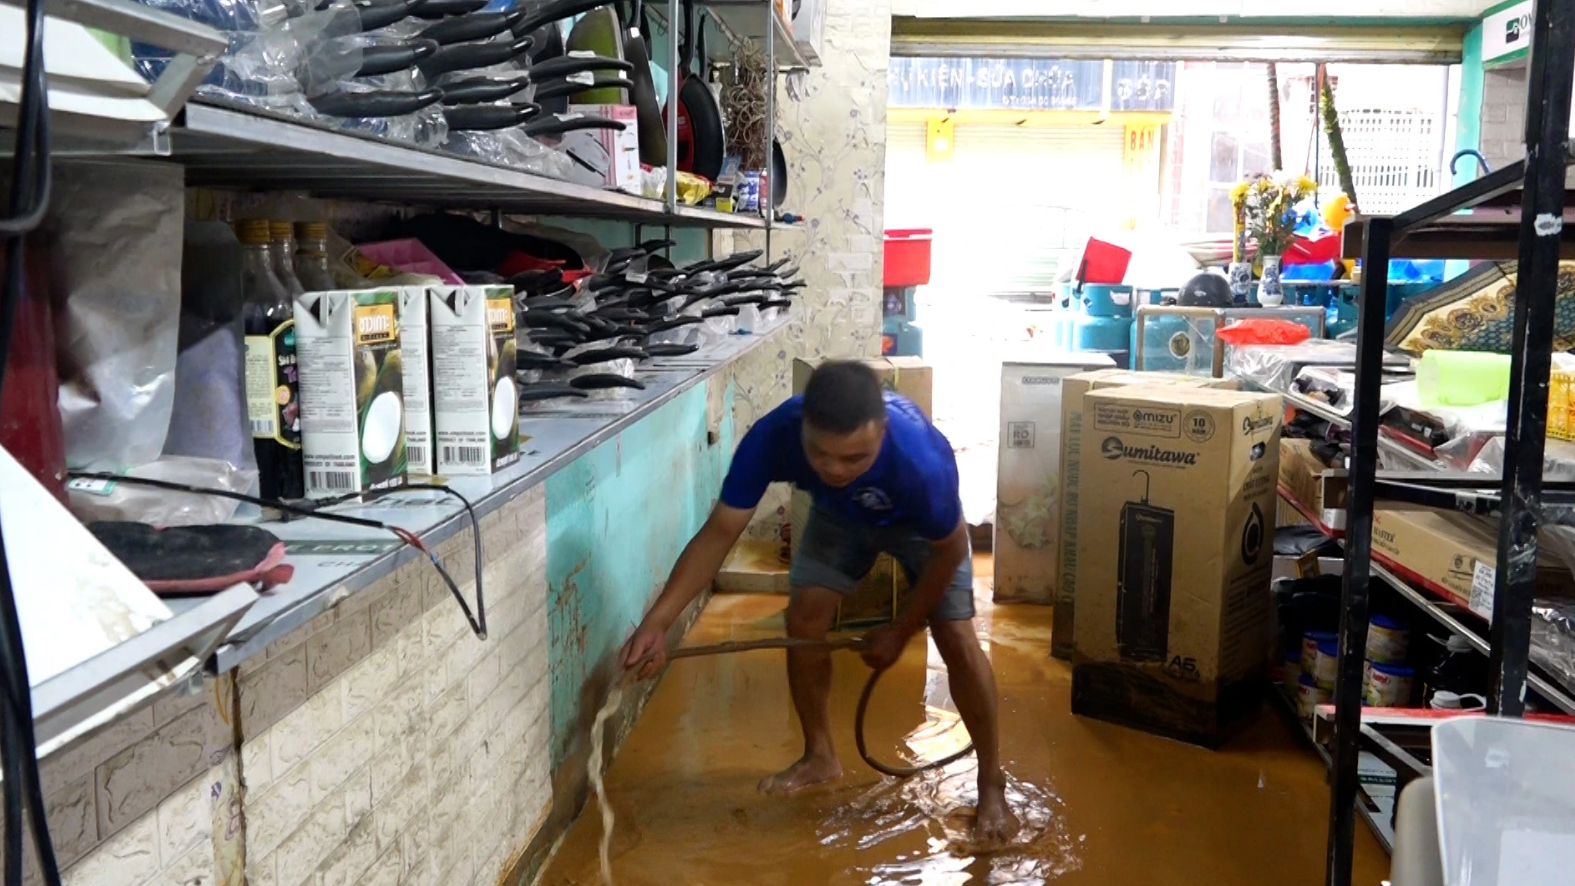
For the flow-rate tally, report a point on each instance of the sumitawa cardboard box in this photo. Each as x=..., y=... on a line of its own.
x=1174, y=557
x=1027, y=477
x=882, y=591
x=1072, y=391
x=352, y=391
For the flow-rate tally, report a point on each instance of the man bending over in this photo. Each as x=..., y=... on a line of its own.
x=883, y=479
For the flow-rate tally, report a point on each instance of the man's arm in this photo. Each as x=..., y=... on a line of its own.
x=696, y=568
x=885, y=644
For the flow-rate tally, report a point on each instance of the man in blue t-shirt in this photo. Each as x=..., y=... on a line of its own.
x=883, y=479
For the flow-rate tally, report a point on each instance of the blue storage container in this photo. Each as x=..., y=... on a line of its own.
x=1104, y=300
x=1105, y=334
x=899, y=338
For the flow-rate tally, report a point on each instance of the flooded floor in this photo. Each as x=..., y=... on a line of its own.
x=1101, y=804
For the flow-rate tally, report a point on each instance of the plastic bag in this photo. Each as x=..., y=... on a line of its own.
x=99, y=500
x=1263, y=332
x=115, y=233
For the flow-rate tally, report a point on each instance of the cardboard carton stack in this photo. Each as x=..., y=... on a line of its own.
x=1073, y=390
x=1174, y=557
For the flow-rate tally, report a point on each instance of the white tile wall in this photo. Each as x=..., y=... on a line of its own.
x=380, y=744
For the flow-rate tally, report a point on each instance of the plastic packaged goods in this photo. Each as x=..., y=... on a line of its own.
x=93, y=500
x=115, y=233
x=273, y=400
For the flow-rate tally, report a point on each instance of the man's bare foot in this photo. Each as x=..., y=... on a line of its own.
x=994, y=823
x=807, y=771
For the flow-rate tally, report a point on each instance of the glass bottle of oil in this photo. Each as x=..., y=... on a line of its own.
x=272, y=391
x=311, y=257
x=281, y=252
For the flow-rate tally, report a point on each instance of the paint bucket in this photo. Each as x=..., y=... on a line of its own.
x=1308, y=696
x=1310, y=641
x=1387, y=685
x=1388, y=640
x=1324, y=666
x=1293, y=669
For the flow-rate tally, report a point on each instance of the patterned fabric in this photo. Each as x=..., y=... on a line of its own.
x=1475, y=312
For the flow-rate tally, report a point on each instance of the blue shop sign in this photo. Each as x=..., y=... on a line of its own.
x=1028, y=84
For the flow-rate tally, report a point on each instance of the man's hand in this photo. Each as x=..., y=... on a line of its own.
x=646, y=649
x=882, y=646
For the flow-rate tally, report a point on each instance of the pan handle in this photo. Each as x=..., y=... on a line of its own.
x=554, y=68
x=558, y=124
x=556, y=88
x=555, y=11
x=686, y=52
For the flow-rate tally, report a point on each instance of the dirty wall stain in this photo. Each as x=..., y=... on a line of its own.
x=617, y=518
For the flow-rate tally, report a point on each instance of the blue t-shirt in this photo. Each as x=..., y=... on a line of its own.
x=913, y=482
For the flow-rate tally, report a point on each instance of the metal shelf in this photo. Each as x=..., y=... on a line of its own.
x=1386, y=444
x=1378, y=819
x=225, y=147
x=746, y=20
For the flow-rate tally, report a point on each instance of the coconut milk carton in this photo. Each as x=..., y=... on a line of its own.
x=415, y=343
x=352, y=379
x=474, y=399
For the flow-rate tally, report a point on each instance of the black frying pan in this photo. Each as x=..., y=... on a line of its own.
x=476, y=90
x=377, y=14
x=701, y=141
x=465, y=56
x=374, y=103
x=376, y=60
x=779, y=175
x=475, y=26
x=642, y=91
x=432, y=10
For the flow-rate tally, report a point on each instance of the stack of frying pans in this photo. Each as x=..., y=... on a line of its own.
x=478, y=68
x=579, y=338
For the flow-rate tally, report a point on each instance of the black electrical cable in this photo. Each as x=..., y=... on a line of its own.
x=29, y=200
x=477, y=619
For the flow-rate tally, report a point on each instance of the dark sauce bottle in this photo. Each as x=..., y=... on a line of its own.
x=273, y=402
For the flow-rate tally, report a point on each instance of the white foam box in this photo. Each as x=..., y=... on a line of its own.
x=1028, y=471
x=616, y=155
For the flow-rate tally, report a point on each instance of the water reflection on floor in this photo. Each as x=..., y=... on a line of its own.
x=1101, y=804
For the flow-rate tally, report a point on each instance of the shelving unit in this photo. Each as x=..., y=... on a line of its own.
x=741, y=19
x=227, y=147
x=1540, y=235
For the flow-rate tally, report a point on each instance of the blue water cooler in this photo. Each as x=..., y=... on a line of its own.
x=900, y=335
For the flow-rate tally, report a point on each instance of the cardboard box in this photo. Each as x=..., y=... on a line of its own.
x=615, y=155
x=1317, y=489
x=1072, y=390
x=475, y=405
x=882, y=592
x=352, y=391
x=1174, y=558
x=1455, y=556
x=1027, y=479
x=415, y=345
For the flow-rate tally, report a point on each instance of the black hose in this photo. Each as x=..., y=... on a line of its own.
x=864, y=697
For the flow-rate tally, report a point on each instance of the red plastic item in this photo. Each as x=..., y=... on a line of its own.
x=520, y=262
x=1264, y=332
x=1316, y=250
x=907, y=257
x=1103, y=263
x=29, y=407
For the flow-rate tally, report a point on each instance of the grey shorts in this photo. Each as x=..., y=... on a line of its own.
x=836, y=553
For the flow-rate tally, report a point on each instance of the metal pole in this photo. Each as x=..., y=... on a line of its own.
x=771, y=118
x=1551, y=68
x=674, y=75
x=1358, y=552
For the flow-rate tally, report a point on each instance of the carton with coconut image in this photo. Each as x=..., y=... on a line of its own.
x=475, y=404
x=352, y=391
x=415, y=347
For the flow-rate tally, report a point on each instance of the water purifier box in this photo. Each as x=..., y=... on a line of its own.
x=1072, y=390
x=1175, y=557
x=1028, y=473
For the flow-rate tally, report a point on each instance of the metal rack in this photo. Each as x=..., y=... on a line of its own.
x=1539, y=236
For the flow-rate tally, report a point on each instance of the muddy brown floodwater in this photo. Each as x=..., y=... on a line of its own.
x=1101, y=804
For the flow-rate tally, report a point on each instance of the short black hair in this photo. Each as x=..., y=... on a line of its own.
x=843, y=396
